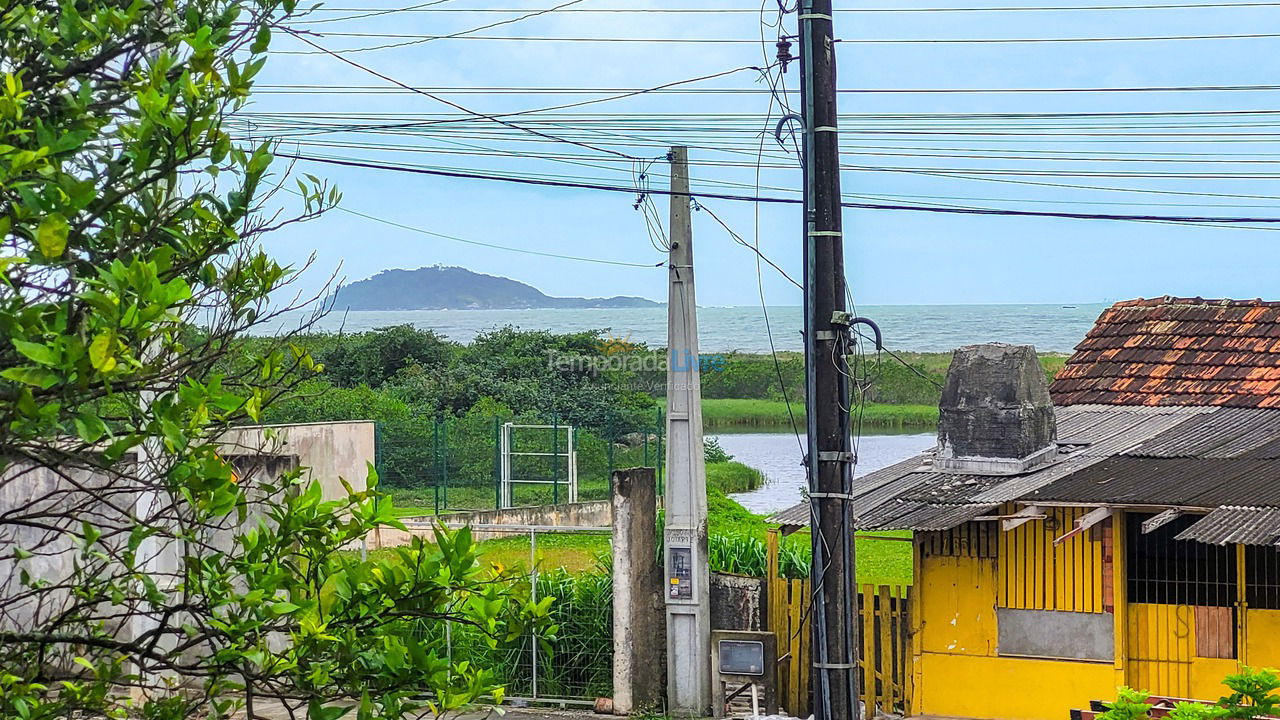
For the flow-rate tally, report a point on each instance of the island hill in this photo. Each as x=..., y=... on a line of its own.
x=453, y=288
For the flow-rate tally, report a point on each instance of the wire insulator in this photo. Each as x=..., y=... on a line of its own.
x=784, y=53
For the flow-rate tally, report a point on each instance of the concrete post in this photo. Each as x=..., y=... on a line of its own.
x=639, y=636
x=686, y=590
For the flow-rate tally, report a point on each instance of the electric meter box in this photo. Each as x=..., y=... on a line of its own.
x=680, y=573
x=741, y=657
x=743, y=660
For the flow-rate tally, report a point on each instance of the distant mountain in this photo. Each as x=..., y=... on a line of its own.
x=454, y=288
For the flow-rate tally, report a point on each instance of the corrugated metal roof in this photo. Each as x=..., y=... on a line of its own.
x=1127, y=427
x=910, y=515
x=1186, y=482
x=874, y=487
x=1232, y=525
x=1110, y=455
x=1227, y=433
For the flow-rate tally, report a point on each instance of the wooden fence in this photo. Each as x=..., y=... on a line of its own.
x=884, y=625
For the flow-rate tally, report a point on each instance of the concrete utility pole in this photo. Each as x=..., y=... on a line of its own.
x=826, y=331
x=686, y=588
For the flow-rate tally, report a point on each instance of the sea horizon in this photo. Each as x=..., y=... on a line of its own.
x=1050, y=327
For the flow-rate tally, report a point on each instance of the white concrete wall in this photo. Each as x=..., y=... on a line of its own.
x=330, y=451
x=41, y=508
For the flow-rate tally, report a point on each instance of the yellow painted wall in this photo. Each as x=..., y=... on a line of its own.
x=958, y=605
x=1162, y=651
x=958, y=671
x=1206, y=677
x=1010, y=688
x=1262, y=638
x=1036, y=574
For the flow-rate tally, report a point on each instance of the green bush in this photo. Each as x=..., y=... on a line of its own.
x=1253, y=696
x=733, y=477
x=713, y=453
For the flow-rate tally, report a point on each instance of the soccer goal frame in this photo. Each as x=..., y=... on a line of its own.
x=506, y=476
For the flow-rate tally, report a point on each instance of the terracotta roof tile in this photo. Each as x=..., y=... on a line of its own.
x=1177, y=351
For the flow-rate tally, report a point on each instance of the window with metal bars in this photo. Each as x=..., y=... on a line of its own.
x=1262, y=575
x=1165, y=571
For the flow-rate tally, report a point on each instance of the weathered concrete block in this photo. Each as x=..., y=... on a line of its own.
x=995, y=415
x=737, y=602
x=639, y=610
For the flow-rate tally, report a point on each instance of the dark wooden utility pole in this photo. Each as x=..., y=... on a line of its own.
x=826, y=330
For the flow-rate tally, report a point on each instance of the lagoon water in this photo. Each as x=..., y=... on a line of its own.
x=778, y=455
x=923, y=328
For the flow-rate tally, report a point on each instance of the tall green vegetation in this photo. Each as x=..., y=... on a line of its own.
x=141, y=576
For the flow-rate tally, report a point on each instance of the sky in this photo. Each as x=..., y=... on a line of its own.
x=902, y=147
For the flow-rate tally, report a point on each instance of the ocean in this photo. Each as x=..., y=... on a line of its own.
x=916, y=328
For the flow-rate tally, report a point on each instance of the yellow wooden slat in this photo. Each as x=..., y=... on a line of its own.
x=885, y=657
x=1037, y=563
x=1002, y=583
x=1059, y=555
x=797, y=658
x=908, y=653
x=1091, y=564
x=1242, y=604
x=868, y=649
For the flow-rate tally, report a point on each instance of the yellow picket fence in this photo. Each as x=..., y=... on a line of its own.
x=884, y=626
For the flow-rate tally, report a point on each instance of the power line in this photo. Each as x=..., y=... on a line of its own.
x=867, y=151
x=575, y=160
x=450, y=103
x=526, y=251
x=663, y=89
x=462, y=33
x=856, y=41
x=1188, y=219
x=531, y=111
x=1043, y=8
x=367, y=13
x=738, y=239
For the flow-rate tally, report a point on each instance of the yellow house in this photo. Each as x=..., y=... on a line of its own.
x=1120, y=530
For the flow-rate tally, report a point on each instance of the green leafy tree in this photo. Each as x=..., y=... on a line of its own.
x=141, y=572
x=373, y=358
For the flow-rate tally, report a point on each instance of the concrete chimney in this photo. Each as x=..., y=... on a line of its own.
x=995, y=417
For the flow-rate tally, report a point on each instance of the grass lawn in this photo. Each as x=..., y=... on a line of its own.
x=575, y=552
x=884, y=561
x=880, y=562
x=721, y=412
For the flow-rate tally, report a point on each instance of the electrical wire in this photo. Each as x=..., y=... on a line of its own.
x=677, y=11
x=718, y=41
x=1188, y=219
x=450, y=103
x=495, y=246
x=738, y=239
x=474, y=90
x=457, y=35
